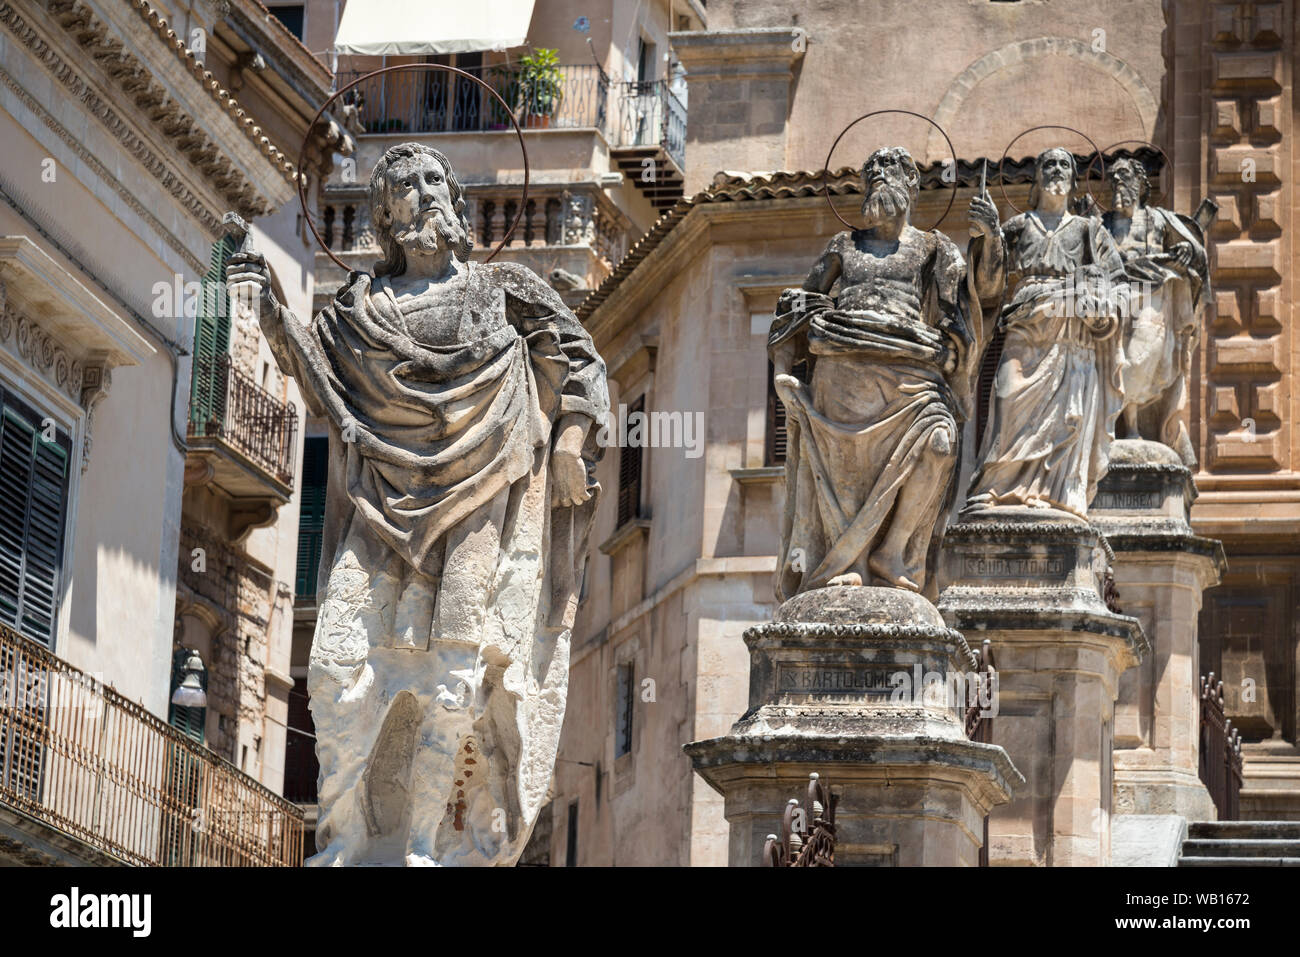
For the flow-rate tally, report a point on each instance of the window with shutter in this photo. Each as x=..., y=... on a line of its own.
x=211, y=342
x=629, y=474
x=311, y=513
x=33, y=506
x=625, y=699
x=777, y=438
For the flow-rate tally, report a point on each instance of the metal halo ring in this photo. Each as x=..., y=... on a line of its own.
x=1148, y=143
x=826, y=169
x=1002, y=183
x=302, y=153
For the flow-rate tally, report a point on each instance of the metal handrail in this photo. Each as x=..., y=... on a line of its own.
x=1220, y=762
x=433, y=102
x=87, y=761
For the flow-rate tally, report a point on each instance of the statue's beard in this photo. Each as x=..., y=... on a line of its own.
x=1057, y=186
x=1124, y=196
x=431, y=234
x=886, y=202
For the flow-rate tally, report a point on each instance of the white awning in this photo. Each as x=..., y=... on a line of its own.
x=404, y=27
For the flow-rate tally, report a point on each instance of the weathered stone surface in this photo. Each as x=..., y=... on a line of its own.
x=869, y=686
x=1161, y=570
x=875, y=382
x=460, y=398
x=1036, y=591
x=1059, y=381
x=1169, y=285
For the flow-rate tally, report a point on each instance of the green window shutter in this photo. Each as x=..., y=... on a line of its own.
x=33, y=510
x=311, y=513
x=211, y=342
x=191, y=722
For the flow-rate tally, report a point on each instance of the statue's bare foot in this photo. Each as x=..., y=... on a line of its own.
x=893, y=573
x=852, y=579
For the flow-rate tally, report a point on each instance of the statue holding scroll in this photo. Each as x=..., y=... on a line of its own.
x=460, y=398
x=875, y=382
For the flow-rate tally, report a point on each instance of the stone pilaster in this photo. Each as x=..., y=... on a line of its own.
x=739, y=84
x=1034, y=589
x=856, y=684
x=1161, y=570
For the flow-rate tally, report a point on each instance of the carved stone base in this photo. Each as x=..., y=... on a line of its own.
x=834, y=689
x=1161, y=570
x=1035, y=590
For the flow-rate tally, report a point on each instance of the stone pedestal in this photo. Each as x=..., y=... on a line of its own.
x=1161, y=569
x=1034, y=588
x=834, y=690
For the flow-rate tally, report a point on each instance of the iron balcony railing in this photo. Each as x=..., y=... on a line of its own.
x=650, y=115
x=228, y=405
x=431, y=101
x=1220, y=758
x=85, y=760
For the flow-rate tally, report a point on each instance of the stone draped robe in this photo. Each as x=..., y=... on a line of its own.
x=854, y=444
x=1059, y=383
x=425, y=437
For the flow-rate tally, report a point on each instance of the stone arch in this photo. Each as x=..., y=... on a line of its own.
x=955, y=96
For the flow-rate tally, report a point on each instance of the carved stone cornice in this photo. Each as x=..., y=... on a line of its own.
x=39, y=351
x=76, y=88
x=135, y=79
x=92, y=162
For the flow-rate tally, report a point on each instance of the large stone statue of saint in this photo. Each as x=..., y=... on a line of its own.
x=1169, y=275
x=460, y=399
x=1059, y=383
x=875, y=382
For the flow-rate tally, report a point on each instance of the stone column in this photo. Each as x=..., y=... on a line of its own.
x=1034, y=589
x=833, y=689
x=1161, y=570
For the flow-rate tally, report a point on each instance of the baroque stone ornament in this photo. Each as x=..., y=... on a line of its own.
x=1169, y=276
x=460, y=398
x=875, y=382
x=1059, y=383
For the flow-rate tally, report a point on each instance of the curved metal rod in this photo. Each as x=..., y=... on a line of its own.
x=302, y=152
x=1002, y=183
x=826, y=169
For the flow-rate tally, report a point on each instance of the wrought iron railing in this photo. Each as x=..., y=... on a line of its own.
x=807, y=837
x=85, y=760
x=432, y=101
x=228, y=405
x=1220, y=751
x=650, y=115
x=979, y=725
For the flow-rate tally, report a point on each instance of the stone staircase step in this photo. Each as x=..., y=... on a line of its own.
x=1259, y=830
x=1241, y=847
x=1239, y=862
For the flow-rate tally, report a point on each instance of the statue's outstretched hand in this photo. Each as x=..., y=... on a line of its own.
x=248, y=281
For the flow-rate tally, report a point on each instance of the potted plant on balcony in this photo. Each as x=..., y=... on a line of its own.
x=540, y=87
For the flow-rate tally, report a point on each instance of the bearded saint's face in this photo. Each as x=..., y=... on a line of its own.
x=419, y=204
x=1125, y=188
x=1056, y=173
x=888, y=196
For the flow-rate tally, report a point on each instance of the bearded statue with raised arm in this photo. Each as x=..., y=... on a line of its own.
x=460, y=398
